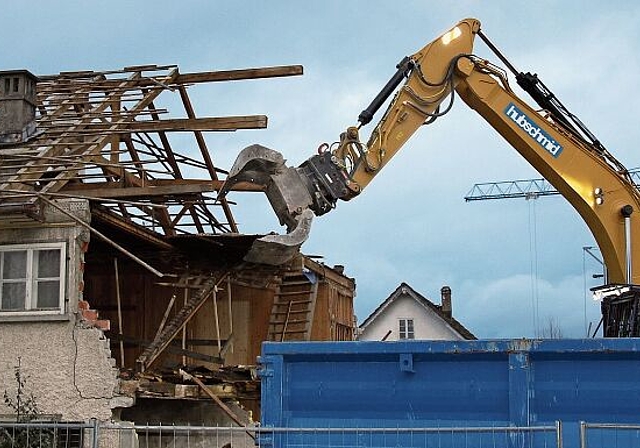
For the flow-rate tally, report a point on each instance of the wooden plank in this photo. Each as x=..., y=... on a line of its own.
x=119, y=304
x=261, y=301
x=183, y=341
x=216, y=317
x=184, y=78
x=158, y=388
x=165, y=316
x=330, y=273
x=102, y=236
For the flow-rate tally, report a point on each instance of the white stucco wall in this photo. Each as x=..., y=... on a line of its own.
x=67, y=368
x=427, y=324
x=66, y=362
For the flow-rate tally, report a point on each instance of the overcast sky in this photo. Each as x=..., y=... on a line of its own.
x=513, y=265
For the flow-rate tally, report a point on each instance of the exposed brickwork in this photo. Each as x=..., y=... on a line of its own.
x=91, y=316
x=103, y=324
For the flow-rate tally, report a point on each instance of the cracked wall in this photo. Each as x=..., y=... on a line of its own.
x=65, y=359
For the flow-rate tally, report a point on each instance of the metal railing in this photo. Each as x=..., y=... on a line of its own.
x=606, y=435
x=126, y=435
x=161, y=436
x=36, y=434
x=443, y=437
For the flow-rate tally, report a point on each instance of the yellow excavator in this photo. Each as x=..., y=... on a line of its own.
x=553, y=140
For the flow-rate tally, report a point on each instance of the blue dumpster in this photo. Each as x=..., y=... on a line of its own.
x=454, y=386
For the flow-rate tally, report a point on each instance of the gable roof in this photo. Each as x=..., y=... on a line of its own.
x=406, y=290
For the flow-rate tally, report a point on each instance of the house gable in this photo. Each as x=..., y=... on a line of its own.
x=429, y=321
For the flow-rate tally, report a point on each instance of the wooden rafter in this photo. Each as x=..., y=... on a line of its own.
x=169, y=125
x=153, y=188
x=207, y=158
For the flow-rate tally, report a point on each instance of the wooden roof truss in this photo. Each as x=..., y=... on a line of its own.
x=105, y=137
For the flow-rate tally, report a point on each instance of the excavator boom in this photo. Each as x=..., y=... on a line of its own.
x=551, y=139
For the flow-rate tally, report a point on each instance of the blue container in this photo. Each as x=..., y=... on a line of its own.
x=454, y=384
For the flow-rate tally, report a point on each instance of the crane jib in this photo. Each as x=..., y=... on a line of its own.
x=534, y=131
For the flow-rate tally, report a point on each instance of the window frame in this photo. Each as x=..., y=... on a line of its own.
x=405, y=334
x=31, y=288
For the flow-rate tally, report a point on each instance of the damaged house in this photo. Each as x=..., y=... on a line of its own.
x=124, y=294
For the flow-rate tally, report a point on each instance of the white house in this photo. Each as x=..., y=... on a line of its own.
x=406, y=314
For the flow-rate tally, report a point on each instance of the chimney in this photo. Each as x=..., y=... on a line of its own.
x=445, y=302
x=17, y=106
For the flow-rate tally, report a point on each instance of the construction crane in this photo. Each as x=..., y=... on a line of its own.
x=525, y=188
x=621, y=304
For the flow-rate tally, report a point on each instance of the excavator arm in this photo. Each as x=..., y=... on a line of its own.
x=552, y=140
x=341, y=173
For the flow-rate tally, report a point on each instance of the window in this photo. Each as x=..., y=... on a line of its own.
x=405, y=327
x=32, y=279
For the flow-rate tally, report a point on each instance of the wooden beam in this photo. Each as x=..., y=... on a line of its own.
x=193, y=78
x=130, y=227
x=218, y=401
x=113, y=190
x=231, y=123
x=236, y=75
x=175, y=166
x=202, y=144
x=102, y=236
